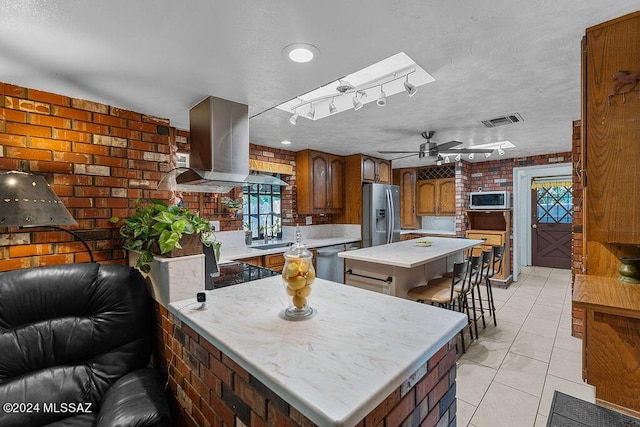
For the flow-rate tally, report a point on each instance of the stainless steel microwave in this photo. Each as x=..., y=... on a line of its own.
x=489, y=200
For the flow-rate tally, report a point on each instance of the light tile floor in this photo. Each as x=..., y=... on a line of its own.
x=508, y=376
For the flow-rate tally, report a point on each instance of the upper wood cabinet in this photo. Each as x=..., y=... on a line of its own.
x=611, y=132
x=436, y=197
x=320, y=182
x=376, y=170
x=406, y=179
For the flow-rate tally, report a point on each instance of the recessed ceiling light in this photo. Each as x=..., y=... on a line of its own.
x=285, y=142
x=301, y=52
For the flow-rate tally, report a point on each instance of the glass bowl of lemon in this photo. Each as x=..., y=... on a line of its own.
x=298, y=276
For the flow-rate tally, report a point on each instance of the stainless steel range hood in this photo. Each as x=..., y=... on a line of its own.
x=219, y=155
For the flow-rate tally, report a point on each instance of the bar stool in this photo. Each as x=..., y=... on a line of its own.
x=445, y=297
x=496, y=266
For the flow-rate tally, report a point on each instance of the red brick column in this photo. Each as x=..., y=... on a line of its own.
x=207, y=388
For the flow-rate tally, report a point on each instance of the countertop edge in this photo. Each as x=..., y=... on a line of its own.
x=241, y=252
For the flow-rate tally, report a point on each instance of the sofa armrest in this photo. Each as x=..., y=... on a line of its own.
x=136, y=399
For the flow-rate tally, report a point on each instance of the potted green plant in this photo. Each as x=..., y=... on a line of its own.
x=164, y=230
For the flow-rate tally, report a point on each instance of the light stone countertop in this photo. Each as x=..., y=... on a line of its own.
x=336, y=366
x=240, y=252
x=408, y=255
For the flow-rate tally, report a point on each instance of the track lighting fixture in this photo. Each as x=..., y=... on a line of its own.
x=312, y=112
x=487, y=155
x=332, y=107
x=356, y=102
x=500, y=151
x=471, y=156
x=410, y=88
x=382, y=99
x=457, y=159
x=294, y=119
x=446, y=159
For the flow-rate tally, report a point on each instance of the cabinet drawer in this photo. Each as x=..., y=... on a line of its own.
x=490, y=239
x=273, y=261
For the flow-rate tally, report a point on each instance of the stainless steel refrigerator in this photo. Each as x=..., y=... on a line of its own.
x=380, y=214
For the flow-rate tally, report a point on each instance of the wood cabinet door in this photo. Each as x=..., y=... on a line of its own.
x=426, y=197
x=335, y=184
x=612, y=185
x=447, y=196
x=319, y=179
x=408, y=218
x=384, y=172
x=369, y=173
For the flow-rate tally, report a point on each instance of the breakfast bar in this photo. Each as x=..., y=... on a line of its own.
x=362, y=356
x=397, y=267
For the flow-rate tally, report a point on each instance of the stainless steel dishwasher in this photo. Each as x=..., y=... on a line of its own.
x=330, y=265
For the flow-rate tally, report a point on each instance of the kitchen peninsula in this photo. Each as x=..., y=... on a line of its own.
x=361, y=359
x=403, y=265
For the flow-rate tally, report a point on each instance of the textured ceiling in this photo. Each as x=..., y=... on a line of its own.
x=161, y=57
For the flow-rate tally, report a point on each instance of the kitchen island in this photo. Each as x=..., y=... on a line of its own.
x=361, y=359
x=397, y=267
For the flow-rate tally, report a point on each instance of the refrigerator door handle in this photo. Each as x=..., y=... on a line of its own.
x=390, y=219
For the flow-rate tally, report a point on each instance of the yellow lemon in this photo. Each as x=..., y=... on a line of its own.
x=311, y=276
x=304, y=265
x=292, y=269
x=296, y=283
x=291, y=292
x=299, y=301
x=304, y=292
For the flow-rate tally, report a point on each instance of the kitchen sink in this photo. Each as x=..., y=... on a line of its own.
x=272, y=245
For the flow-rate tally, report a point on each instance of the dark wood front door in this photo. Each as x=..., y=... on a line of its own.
x=551, y=223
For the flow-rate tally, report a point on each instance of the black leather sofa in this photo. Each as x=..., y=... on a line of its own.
x=75, y=344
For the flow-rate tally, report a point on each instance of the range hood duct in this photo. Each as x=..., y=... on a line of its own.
x=219, y=155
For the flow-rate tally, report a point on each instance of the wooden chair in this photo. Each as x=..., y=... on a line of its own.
x=445, y=297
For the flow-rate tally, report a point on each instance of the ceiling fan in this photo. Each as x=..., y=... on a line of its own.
x=434, y=150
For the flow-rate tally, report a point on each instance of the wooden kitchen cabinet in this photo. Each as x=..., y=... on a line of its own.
x=611, y=131
x=494, y=227
x=275, y=262
x=320, y=182
x=406, y=179
x=611, y=340
x=376, y=170
x=436, y=197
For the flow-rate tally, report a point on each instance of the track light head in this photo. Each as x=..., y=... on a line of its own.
x=487, y=155
x=382, y=99
x=457, y=159
x=356, y=103
x=332, y=107
x=446, y=159
x=409, y=87
x=294, y=118
x=500, y=151
x=471, y=156
x=311, y=112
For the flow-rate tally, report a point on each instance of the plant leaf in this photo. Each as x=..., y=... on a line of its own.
x=168, y=240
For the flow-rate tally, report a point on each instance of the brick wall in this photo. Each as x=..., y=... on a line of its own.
x=99, y=160
x=577, y=249
x=207, y=388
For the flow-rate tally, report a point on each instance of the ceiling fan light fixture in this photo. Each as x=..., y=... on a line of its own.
x=471, y=156
x=457, y=158
x=382, y=99
x=409, y=87
x=332, y=107
x=294, y=118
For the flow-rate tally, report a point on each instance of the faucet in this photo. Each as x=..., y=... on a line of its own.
x=266, y=226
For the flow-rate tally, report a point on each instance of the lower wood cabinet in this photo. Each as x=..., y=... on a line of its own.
x=610, y=340
x=275, y=262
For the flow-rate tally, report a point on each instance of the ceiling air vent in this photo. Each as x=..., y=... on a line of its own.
x=504, y=120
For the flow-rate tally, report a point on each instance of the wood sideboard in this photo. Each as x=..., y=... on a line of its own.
x=611, y=340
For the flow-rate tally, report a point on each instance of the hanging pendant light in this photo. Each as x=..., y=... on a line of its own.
x=382, y=99
x=409, y=87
